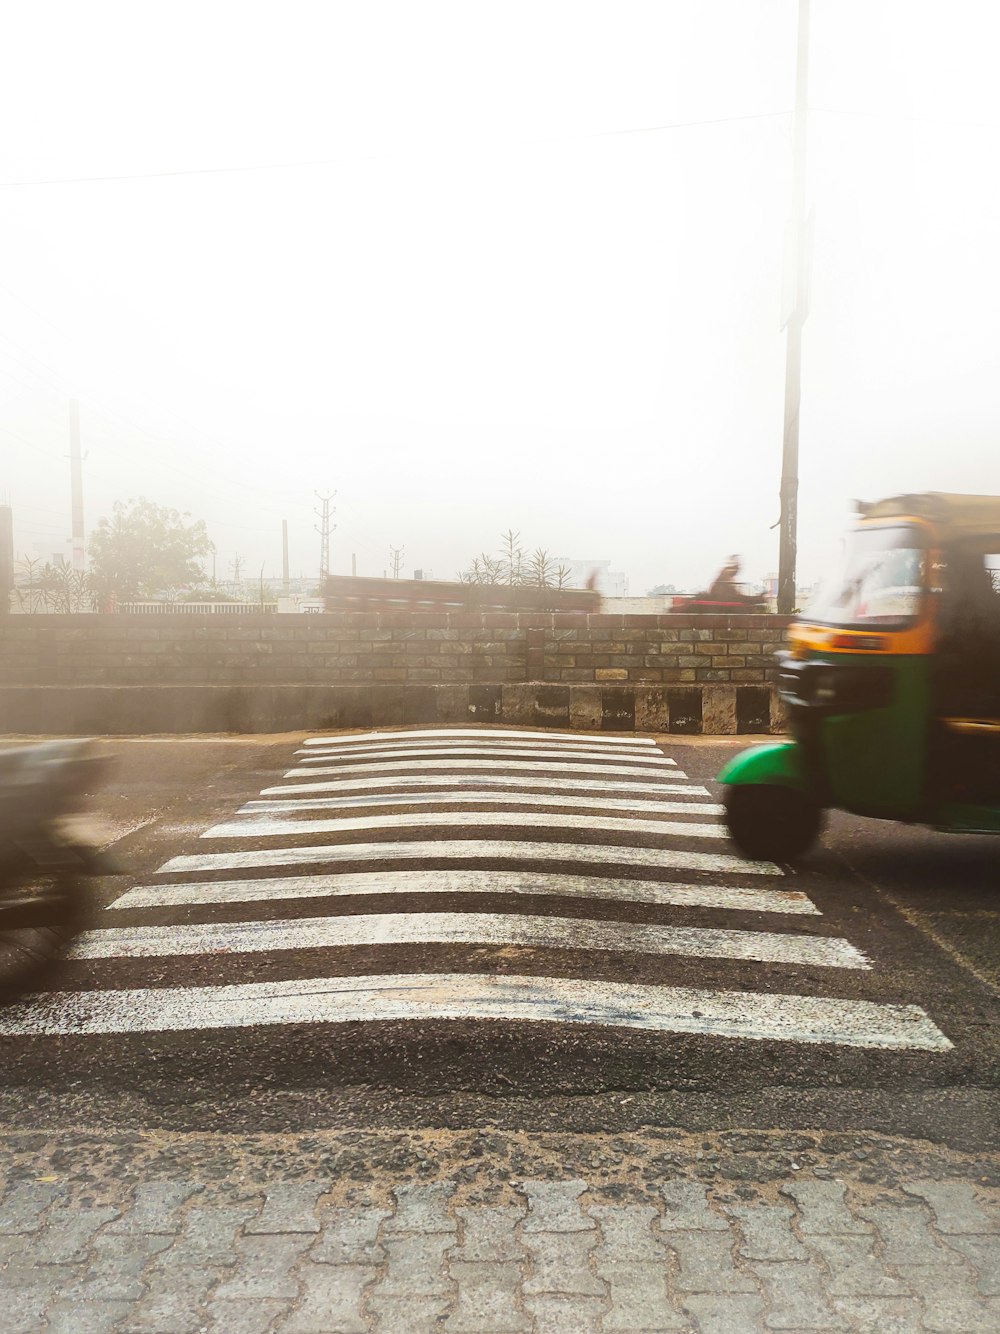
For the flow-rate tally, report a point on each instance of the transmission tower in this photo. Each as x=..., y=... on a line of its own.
x=396, y=556
x=325, y=528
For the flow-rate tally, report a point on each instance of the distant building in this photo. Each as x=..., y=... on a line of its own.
x=53, y=552
x=610, y=583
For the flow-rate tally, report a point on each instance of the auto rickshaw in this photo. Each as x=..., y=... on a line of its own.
x=892, y=684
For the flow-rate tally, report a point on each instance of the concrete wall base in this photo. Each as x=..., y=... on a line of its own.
x=695, y=710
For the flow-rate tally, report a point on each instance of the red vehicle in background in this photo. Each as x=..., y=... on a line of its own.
x=724, y=595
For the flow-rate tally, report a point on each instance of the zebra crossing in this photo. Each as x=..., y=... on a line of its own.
x=567, y=833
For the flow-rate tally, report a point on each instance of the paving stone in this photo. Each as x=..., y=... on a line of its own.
x=627, y=1235
x=706, y=1263
x=350, y=1238
x=822, y=1208
x=22, y=1273
x=640, y=1300
x=414, y=1315
x=718, y=1313
x=236, y=1317
x=983, y=1253
x=564, y=1315
x=208, y=1238
x=951, y=1302
x=487, y=1296
x=24, y=1310
x=289, y=1206
x=884, y=1315
x=554, y=1206
x=560, y=1263
x=422, y=1209
x=415, y=1267
x=795, y=1297
x=172, y=1302
x=956, y=1208
x=68, y=1234
x=488, y=1235
x=116, y=1268
x=767, y=1232
x=155, y=1208
x=84, y=1317
x=687, y=1209
x=263, y=1269
x=331, y=1299
x=907, y=1238
x=855, y=1269
x=962, y=1318
x=22, y=1208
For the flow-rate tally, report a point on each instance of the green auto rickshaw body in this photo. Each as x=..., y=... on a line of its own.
x=862, y=678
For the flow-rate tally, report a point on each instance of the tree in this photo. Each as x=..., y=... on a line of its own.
x=513, y=568
x=661, y=590
x=144, y=549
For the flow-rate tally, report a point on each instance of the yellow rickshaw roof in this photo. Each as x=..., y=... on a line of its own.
x=961, y=516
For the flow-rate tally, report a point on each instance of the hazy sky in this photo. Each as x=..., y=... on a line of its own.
x=494, y=264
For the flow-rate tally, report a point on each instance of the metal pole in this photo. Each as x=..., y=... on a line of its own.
x=76, y=485
x=788, y=522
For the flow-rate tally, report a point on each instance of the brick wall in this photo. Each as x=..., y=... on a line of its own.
x=389, y=647
x=98, y=674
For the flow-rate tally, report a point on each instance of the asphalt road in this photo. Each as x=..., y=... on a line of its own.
x=901, y=924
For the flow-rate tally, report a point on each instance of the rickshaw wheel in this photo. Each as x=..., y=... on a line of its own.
x=777, y=823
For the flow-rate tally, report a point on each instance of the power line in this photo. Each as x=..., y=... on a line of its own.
x=383, y=157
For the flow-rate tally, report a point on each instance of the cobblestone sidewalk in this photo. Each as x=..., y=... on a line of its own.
x=88, y=1251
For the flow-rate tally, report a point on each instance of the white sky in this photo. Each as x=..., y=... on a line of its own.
x=482, y=308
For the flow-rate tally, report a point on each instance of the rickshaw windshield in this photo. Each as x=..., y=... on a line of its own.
x=879, y=580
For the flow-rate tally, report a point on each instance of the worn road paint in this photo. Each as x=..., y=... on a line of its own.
x=469, y=765
x=473, y=849
x=485, y=752
x=519, y=800
x=539, y=740
x=650, y=786
x=441, y=997
x=500, y=883
x=481, y=733
x=266, y=828
x=504, y=930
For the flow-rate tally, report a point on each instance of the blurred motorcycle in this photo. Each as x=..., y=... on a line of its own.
x=47, y=855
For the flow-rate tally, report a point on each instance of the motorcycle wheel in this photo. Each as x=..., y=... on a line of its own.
x=48, y=914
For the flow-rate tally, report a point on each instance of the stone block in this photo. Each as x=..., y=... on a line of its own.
x=585, y=707
x=486, y=1298
x=718, y=711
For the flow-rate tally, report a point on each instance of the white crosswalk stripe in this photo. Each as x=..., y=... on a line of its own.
x=467, y=746
x=442, y=996
x=738, y=898
x=605, y=771
x=515, y=800
x=554, y=739
x=469, y=929
x=651, y=786
x=489, y=851
x=263, y=827
x=548, y=785
x=482, y=752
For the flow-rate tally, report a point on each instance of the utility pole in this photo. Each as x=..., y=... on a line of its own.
x=284, y=558
x=236, y=566
x=76, y=487
x=324, y=531
x=396, y=556
x=799, y=308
